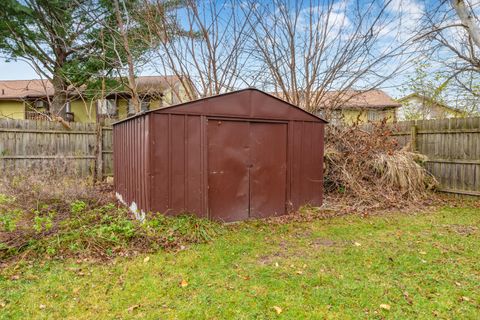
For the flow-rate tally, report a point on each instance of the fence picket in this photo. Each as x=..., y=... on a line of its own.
x=453, y=149
x=33, y=145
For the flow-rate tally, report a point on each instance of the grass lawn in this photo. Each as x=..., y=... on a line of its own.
x=395, y=266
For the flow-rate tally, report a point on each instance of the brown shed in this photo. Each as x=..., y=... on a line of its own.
x=235, y=156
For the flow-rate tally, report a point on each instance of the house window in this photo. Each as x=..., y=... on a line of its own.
x=68, y=107
x=376, y=115
x=144, y=105
x=335, y=116
x=39, y=104
x=107, y=107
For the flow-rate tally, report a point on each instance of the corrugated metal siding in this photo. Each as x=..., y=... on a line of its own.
x=177, y=164
x=131, y=150
x=161, y=158
x=306, y=154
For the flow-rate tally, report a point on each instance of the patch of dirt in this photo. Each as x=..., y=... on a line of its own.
x=270, y=258
x=282, y=253
x=463, y=230
x=317, y=243
x=285, y=250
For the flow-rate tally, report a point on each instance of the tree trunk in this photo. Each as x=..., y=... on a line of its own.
x=57, y=105
x=131, y=73
x=467, y=20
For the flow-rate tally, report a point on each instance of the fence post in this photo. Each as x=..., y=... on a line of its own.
x=413, y=137
x=99, y=154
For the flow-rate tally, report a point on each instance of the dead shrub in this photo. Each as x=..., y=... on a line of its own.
x=49, y=214
x=366, y=169
x=34, y=188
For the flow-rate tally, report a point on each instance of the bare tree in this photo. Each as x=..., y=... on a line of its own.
x=469, y=20
x=122, y=29
x=313, y=53
x=451, y=31
x=210, y=56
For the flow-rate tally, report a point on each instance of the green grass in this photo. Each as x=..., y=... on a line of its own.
x=422, y=266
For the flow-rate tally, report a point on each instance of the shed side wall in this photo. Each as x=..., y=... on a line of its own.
x=306, y=141
x=131, y=161
x=178, y=166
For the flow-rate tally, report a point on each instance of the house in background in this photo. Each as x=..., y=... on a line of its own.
x=28, y=99
x=419, y=107
x=352, y=106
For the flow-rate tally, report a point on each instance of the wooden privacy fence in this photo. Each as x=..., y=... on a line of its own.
x=452, y=147
x=85, y=149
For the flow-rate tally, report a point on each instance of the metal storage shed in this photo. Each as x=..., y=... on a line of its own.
x=235, y=156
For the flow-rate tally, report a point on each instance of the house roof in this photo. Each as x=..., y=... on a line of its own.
x=37, y=88
x=24, y=89
x=429, y=99
x=353, y=99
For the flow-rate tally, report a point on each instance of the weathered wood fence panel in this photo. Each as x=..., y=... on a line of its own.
x=44, y=145
x=452, y=147
x=107, y=152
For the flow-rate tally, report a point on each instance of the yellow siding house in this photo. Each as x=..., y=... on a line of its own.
x=351, y=106
x=29, y=99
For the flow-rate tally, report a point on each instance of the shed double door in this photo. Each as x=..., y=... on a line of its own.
x=247, y=169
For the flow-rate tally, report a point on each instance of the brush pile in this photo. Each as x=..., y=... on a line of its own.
x=366, y=169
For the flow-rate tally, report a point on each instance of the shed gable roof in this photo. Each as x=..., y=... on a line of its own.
x=247, y=103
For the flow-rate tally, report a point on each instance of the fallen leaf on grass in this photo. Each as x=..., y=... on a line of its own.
x=278, y=310
x=407, y=297
x=385, y=306
x=183, y=283
x=31, y=277
x=357, y=244
x=465, y=298
x=136, y=306
x=422, y=252
x=146, y=259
